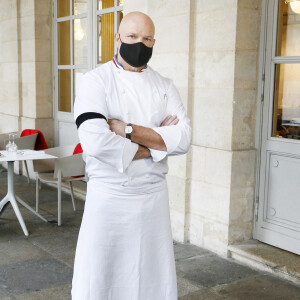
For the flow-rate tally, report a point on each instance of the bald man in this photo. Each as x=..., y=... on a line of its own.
x=129, y=119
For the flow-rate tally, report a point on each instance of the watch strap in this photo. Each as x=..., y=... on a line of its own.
x=128, y=135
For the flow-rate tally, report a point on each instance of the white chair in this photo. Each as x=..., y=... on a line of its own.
x=25, y=142
x=63, y=168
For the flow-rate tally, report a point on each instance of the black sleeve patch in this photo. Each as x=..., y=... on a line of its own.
x=88, y=116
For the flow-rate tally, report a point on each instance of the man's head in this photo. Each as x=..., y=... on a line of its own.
x=135, y=27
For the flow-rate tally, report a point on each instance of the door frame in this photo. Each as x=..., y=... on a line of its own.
x=265, y=141
x=59, y=115
x=260, y=106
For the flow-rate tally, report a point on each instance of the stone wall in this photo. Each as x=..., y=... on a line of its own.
x=25, y=66
x=212, y=83
x=9, y=67
x=210, y=49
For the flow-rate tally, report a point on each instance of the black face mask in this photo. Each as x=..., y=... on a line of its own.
x=136, y=55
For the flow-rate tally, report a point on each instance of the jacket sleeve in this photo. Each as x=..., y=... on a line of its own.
x=177, y=137
x=96, y=138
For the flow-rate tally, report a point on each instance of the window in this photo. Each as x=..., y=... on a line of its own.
x=83, y=38
x=108, y=20
x=286, y=111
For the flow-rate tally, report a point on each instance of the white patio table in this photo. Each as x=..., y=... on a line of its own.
x=10, y=196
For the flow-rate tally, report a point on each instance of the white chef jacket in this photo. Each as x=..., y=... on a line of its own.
x=142, y=98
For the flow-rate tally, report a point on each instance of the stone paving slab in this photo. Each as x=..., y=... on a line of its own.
x=3, y=293
x=34, y=224
x=212, y=270
x=270, y=256
x=19, y=250
x=68, y=215
x=9, y=215
x=262, y=287
x=7, y=298
x=27, y=192
x=183, y=252
x=57, y=244
x=185, y=287
x=67, y=258
x=6, y=231
x=62, y=292
x=66, y=207
x=204, y=294
x=36, y=227
x=34, y=275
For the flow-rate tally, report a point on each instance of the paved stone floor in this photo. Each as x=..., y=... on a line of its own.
x=40, y=266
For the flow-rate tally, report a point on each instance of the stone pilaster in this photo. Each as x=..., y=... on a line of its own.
x=26, y=66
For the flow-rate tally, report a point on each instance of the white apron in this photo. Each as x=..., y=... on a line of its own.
x=125, y=247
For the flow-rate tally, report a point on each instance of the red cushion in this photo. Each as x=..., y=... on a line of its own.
x=77, y=150
x=40, y=143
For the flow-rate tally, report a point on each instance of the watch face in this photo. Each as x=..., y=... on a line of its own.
x=128, y=129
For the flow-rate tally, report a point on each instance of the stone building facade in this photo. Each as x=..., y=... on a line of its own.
x=211, y=50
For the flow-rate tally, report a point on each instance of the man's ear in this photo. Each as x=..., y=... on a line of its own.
x=117, y=40
x=153, y=42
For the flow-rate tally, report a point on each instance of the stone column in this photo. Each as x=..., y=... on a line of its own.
x=9, y=67
x=26, y=66
x=243, y=124
x=223, y=156
x=36, y=65
x=211, y=154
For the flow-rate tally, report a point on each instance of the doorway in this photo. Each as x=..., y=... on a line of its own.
x=278, y=220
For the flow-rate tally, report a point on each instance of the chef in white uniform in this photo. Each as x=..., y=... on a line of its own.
x=129, y=119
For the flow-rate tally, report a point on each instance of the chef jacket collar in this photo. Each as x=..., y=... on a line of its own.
x=119, y=66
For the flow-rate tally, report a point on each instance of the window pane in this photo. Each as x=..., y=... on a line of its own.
x=64, y=43
x=80, y=41
x=79, y=7
x=286, y=119
x=105, y=37
x=63, y=8
x=78, y=73
x=105, y=4
x=288, y=32
x=64, y=90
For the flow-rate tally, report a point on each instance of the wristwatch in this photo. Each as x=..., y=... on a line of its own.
x=128, y=130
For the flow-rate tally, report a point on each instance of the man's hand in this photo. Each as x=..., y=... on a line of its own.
x=117, y=126
x=143, y=152
x=170, y=120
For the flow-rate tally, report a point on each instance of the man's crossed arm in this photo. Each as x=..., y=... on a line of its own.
x=144, y=136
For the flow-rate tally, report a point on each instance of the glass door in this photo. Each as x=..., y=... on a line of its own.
x=279, y=206
x=83, y=39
